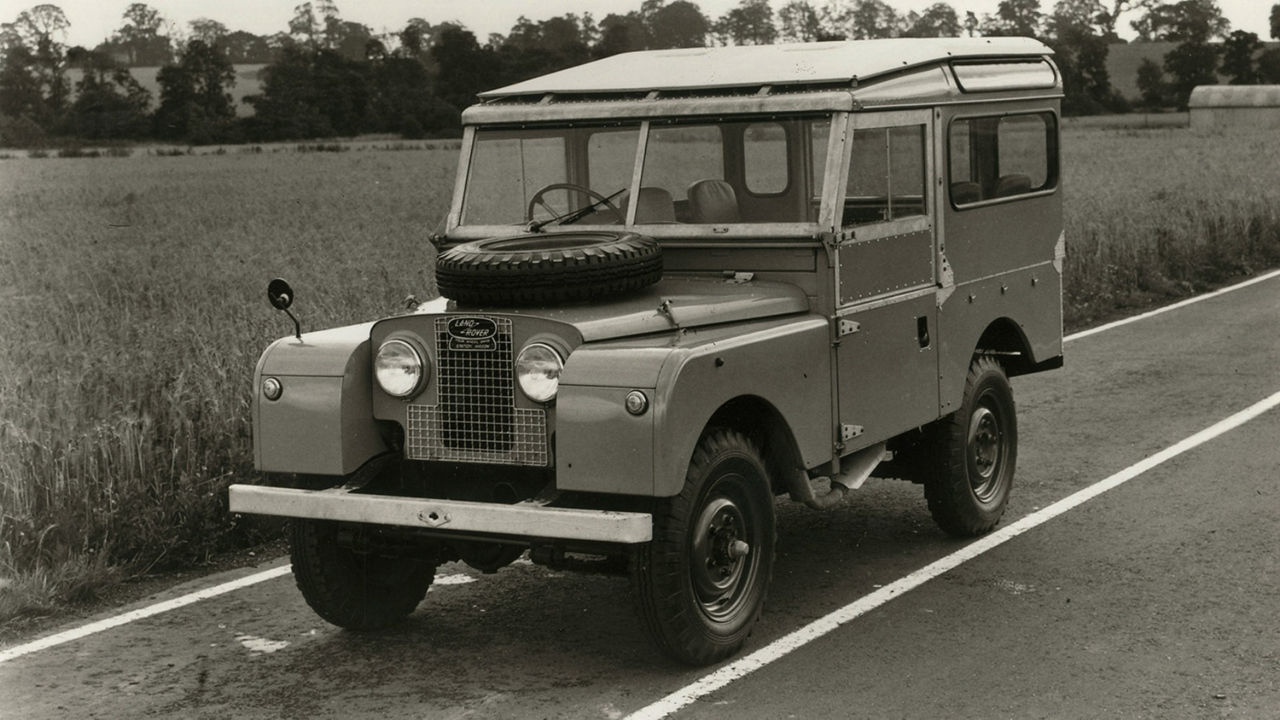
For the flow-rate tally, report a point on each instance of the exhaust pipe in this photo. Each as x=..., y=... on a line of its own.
x=857, y=468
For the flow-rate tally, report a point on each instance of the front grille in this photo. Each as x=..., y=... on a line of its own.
x=476, y=419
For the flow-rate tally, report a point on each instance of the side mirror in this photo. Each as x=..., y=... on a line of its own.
x=281, y=296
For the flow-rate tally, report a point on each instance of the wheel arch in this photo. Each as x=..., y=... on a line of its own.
x=1005, y=340
x=764, y=425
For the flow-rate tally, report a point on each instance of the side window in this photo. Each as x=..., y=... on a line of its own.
x=764, y=149
x=886, y=175
x=1000, y=157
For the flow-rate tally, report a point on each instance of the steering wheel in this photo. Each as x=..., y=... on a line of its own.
x=601, y=200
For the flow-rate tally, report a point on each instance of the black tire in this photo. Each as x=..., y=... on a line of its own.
x=974, y=452
x=548, y=269
x=697, y=595
x=354, y=590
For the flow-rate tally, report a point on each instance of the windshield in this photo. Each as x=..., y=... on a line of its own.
x=698, y=172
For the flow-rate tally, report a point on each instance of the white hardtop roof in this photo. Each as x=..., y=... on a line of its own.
x=758, y=65
x=1235, y=96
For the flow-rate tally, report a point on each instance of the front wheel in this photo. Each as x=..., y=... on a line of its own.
x=700, y=584
x=351, y=588
x=974, y=452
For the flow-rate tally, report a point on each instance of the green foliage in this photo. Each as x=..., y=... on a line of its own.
x=1190, y=64
x=1152, y=85
x=109, y=104
x=194, y=102
x=1269, y=67
x=1237, y=58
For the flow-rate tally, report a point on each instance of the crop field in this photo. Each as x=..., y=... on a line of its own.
x=133, y=309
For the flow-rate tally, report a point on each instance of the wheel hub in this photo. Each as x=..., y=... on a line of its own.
x=720, y=555
x=986, y=452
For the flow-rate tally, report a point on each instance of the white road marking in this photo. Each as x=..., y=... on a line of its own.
x=260, y=646
x=816, y=629
x=101, y=625
x=66, y=636
x=1180, y=304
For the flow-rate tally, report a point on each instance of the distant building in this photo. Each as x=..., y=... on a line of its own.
x=1224, y=107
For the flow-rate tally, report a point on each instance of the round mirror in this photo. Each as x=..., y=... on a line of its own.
x=279, y=293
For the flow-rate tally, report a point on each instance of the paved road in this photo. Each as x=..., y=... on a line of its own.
x=1156, y=599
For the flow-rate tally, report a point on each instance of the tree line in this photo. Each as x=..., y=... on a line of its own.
x=324, y=76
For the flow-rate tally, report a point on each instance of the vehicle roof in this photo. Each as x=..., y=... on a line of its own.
x=1235, y=96
x=816, y=63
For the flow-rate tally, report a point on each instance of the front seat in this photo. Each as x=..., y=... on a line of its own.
x=713, y=202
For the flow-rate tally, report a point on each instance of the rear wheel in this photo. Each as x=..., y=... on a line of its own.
x=354, y=589
x=700, y=584
x=974, y=452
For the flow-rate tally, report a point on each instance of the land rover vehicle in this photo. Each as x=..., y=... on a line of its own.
x=675, y=286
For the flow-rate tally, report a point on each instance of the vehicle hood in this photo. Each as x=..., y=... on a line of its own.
x=671, y=303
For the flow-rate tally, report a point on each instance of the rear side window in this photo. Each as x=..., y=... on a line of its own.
x=1001, y=157
x=764, y=154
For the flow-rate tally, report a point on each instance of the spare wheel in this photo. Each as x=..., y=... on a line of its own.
x=545, y=269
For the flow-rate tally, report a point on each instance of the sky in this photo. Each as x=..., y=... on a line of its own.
x=92, y=21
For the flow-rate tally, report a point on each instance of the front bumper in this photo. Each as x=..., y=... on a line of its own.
x=520, y=520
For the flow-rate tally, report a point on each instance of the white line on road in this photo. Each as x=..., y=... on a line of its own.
x=816, y=629
x=96, y=627
x=1180, y=304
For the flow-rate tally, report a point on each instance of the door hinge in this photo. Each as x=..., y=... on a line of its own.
x=849, y=432
x=848, y=327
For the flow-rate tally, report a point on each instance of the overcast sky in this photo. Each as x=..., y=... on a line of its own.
x=94, y=20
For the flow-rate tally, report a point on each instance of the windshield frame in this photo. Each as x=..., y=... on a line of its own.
x=696, y=232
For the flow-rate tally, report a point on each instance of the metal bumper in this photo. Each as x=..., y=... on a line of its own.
x=522, y=520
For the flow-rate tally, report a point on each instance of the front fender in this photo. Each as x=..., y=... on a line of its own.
x=687, y=377
x=322, y=424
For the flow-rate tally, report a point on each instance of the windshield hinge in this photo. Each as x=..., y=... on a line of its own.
x=839, y=238
x=848, y=327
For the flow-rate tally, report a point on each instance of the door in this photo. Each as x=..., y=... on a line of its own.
x=886, y=279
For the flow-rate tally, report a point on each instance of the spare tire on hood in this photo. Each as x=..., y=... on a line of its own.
x=548, y=269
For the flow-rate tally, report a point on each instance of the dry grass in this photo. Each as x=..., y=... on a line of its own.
x=132, y=310
x=1163, y=213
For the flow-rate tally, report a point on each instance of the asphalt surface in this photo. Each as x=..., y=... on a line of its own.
x=1156, y=599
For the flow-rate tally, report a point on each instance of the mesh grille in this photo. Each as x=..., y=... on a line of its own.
x=476, y=419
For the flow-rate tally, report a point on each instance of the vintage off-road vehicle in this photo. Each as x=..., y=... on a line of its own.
x=675, y=286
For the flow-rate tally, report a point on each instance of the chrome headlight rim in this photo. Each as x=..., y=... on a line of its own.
x=539, y=378
x=386, y=366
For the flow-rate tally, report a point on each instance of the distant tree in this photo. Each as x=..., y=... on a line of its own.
x=110, y=103
x=1020, y=18
x=209, y=32
x=535, y=48
x=1193, y=21
x=351, y=40
x=971, y=23
x=799, y=22
x=194, y=102
x=1275, y=21
x=465, y=68
x=619, y=34
x=1269, y=67
x=244, y=47
x=140, y=37
x=937, y=20
x=1113, y=11
x=678, y=25
x=862, y=19
x=1237, y=57
x=1152, y=85
x=34, y=82
x=750, y=23
x=1190, y=64
x=1076, y=33
x=311, y=22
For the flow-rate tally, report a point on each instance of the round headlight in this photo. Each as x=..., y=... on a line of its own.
x=538, y=372
x=399, y=368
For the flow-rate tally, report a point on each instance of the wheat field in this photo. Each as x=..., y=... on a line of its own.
x=133, y=309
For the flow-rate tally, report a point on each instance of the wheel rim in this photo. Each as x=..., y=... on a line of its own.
x=722, y=562
x=987, y=449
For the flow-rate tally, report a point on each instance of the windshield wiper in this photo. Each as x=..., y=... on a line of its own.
x=574, y=215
